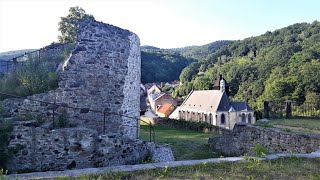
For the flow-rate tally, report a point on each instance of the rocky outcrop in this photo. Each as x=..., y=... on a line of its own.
x=244, y=138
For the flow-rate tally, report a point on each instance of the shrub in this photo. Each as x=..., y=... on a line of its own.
x=33, y=76
x=260, y=150
x=62, y=120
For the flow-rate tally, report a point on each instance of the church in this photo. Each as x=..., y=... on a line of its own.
x=214, y=107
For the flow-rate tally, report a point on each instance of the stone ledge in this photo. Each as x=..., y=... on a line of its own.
x=129, y=168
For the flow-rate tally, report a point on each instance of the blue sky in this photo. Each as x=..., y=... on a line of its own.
x=28, y=24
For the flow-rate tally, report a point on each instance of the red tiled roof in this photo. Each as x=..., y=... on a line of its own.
x=166, y=109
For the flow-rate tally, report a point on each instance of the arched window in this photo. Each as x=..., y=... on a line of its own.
x=249, y=118
x=205, y=118
x=243, y=117
x=223, y=119
x=210, y=118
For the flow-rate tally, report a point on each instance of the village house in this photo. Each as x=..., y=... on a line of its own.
x=157, y=98
x=165, y=110
x=214, y=107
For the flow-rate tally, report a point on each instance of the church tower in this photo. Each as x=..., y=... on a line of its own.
x=222, y=85
x=217, y=84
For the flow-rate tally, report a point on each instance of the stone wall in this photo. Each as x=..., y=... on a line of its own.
x=102, y=74
x=99, y=92
x=245, y=137
x=55, y=51
x=39, y=149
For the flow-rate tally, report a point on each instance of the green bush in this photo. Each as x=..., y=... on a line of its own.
x=260, y=150
x=62, y=120
x=32, y=78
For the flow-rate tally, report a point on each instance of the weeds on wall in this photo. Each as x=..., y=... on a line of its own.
x=3, y=174
x=261, y=151
x=63, y=120
x=5, y=130
x=34, y=76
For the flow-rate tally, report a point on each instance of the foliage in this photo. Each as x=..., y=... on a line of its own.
x=62, y=120
x=32, y=78
x=161, y=65
x=279, y=65
x=69, y=25
x=3, y=174
x=164, y=65
x=252, y=163
x=5, y=130
x=200, y=52
x=260, y=150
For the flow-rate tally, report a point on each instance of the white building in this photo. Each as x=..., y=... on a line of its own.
x=214, y=107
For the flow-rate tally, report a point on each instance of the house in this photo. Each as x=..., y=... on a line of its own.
x=214, y=107
x=165, y=110
x=161, y=99
x=153, y=92
x=156, y=98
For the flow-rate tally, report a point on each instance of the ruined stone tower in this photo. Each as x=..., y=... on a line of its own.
x=99, y=90
x=103, y=74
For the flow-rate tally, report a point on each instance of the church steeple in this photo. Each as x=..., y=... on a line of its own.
x=217, y=84
x=222, y=85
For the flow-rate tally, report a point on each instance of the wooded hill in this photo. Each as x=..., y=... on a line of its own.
x=200, y=52
x=162, y=65
x=166, y=64
x=279, y=65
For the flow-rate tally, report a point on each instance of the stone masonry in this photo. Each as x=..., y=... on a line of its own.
x=40, y=149
x=102, y=74
x=244, y=138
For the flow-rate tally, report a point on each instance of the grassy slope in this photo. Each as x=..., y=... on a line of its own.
x=290, y=168
x=295, y=125
x=186, y=144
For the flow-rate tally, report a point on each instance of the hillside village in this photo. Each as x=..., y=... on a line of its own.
x=204, y=106
x=97, y=99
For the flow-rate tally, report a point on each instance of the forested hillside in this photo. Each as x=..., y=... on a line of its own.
x=280, y=65
x=162, y=65
x=200, y=52
x=166, y=64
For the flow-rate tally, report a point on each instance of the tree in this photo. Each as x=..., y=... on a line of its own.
x=202, y=83
x=69, y=25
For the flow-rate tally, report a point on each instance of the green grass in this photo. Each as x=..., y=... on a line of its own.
x=284, y=168
x=186, y=144
x=294, y=125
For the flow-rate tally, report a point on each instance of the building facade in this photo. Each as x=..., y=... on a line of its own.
x=214, y=107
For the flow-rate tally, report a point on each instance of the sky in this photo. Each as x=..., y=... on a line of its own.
x=32, y=24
